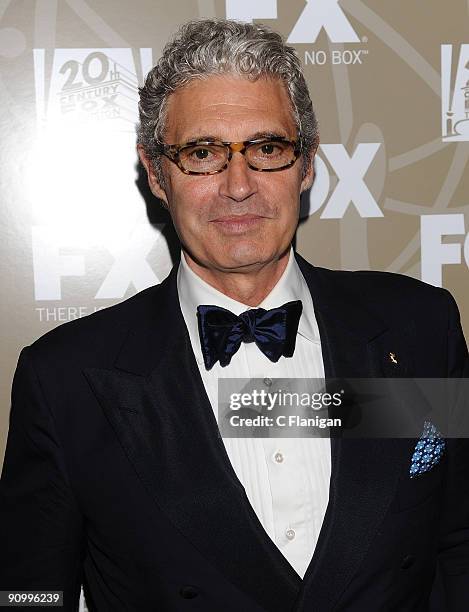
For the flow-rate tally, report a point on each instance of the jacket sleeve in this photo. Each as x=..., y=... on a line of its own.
x=41, y=527
x=453, y=551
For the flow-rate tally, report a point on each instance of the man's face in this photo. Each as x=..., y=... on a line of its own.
x=237, y=219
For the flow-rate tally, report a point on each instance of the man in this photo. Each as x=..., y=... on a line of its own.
x=115, y=474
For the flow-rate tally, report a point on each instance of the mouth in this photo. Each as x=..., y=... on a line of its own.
x=238, y=223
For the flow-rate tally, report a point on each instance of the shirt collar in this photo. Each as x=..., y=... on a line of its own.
x=193, y=291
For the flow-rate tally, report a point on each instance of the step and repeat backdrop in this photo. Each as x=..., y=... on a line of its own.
x=80, y=230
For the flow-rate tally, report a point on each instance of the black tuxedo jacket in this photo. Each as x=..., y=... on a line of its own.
x=115, y=475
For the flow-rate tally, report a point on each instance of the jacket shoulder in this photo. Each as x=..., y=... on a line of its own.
x=391, y=295
x=391, y=284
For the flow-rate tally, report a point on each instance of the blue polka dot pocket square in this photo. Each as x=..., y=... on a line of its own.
x=428, y=451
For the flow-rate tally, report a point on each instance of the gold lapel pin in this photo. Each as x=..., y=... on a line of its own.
x=392, y=357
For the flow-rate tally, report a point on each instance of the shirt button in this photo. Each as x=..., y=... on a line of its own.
x=267, y=381
x=290, y=533
x=278, y=457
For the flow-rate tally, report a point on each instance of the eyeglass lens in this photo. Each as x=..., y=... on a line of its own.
x=212, y=157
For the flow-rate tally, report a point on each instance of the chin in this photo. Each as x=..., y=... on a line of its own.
x=245, y=254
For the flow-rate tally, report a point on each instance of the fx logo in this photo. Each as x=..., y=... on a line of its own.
x=455, y=92
x=316, y=15
x=350, y=188
x=130, y=267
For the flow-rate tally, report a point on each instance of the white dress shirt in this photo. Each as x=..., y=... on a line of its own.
x=286, y=479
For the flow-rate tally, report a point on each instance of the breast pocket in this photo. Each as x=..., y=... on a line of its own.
x=412, y=492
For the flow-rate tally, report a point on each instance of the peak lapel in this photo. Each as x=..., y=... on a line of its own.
x=156, y=402
x=353, y=340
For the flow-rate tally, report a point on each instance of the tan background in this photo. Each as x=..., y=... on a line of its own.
x=72, y=194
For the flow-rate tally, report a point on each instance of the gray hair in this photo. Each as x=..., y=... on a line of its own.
x=212, y=47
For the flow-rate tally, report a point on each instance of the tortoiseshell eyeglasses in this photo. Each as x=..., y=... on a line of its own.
x=213, y=156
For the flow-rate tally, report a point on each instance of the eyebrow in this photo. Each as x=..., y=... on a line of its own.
x=262, y=134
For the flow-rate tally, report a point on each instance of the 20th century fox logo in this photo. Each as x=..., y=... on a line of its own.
x=455, y=92
x=107, y=94
x=90, y=85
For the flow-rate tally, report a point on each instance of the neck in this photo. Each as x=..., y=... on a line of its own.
x=249, y=287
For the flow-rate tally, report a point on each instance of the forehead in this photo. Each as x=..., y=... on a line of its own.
x=229, y=108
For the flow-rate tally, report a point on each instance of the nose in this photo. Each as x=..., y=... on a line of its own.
x=238, y=180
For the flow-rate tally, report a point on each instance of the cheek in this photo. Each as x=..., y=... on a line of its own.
x=285, y=198
x=190, y=198
x=282, y=187
x=187, y=217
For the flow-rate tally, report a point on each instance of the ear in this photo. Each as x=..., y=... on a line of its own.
x=153, y=182
x=308, y=179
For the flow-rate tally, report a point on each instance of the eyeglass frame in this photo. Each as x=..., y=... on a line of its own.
x=171, y=151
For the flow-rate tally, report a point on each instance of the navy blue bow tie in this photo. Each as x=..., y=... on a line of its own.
x=221, y=332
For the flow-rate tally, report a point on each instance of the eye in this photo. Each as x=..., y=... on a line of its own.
x=201, y=153
x=203, y=157
x=268, y=149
